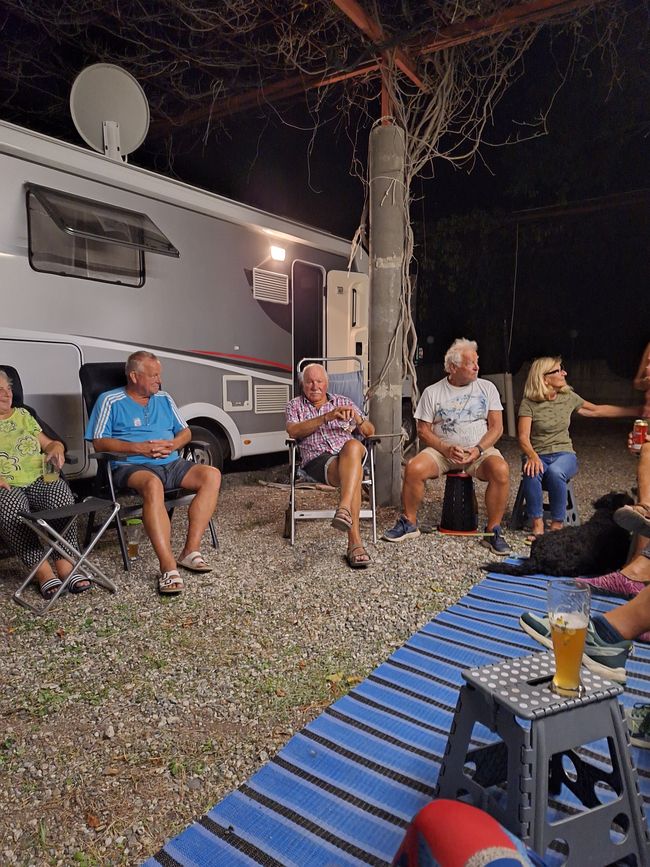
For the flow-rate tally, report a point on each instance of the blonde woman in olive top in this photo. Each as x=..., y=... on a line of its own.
x=543, y=433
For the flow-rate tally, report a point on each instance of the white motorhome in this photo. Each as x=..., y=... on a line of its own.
x=99, y=258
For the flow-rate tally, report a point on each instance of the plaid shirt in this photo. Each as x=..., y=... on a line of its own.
x=331, y=436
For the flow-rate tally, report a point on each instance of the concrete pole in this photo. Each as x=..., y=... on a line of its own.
x=388, y=216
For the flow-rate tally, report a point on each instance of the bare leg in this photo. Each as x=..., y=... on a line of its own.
x=346, y=472
x=537, y=526
x=44, y=573
x=154, y=516
x=206, y=482
x=643, y=484
x=418, y=470
x=633, y=618
x=494, y=470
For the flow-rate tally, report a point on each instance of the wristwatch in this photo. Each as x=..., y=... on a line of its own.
x=480, y=449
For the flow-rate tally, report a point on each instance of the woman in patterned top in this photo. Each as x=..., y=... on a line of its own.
x=543, y=433
x=23, y=446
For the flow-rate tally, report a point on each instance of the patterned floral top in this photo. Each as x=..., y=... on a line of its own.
x=21, y=462
x=331, y=436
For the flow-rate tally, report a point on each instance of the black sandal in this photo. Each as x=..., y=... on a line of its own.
x=50, y=588
x=74, y=585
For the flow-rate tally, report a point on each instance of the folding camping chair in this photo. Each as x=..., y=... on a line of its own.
x=96, y=378
x=346, y=378
x=41, y=522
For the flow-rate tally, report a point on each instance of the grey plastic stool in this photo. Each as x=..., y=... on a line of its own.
x=519, y=515
x=540, y=731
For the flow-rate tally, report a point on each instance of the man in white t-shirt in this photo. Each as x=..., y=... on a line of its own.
x=459, y=419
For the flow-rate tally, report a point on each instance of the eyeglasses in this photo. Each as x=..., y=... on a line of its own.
x=555, y=370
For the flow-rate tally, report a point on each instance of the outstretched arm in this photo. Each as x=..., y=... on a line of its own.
x=606, y=410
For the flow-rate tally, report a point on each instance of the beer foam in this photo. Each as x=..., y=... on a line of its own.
x=568, y=620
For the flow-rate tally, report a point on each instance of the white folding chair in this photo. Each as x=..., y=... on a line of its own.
x=345, y=377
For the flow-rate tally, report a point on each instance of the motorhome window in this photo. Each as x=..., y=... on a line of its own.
x=98, y=221
x=57, y=252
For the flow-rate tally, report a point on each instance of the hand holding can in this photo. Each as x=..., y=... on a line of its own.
x=639, y=434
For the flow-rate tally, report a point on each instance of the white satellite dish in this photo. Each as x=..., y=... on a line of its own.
x=109, y=109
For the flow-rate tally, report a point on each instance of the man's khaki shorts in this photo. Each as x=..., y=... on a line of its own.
x=446, y=466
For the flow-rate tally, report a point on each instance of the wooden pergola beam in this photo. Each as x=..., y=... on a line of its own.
x=373, y=30
x=507, y=19
x=454, y=34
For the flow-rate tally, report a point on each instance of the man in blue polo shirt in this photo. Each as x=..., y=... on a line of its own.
x=142, y=423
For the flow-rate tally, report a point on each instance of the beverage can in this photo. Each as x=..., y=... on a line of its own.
x=639, y=433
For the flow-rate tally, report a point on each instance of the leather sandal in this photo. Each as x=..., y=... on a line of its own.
x=194, y=562
x=635, y=519
x=342, y=519
x=170, y=583
x=358, y=560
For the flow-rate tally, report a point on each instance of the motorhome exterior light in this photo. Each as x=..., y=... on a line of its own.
x=278, y=253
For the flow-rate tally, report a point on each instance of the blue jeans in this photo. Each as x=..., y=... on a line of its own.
x=558, y=469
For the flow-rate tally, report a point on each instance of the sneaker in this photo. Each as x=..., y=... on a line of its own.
x=602, y=657
x=638, y=722
x=614, y=584
x=496, y=543
x=402, y=531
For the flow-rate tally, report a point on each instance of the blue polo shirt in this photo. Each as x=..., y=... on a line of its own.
x=117, y=416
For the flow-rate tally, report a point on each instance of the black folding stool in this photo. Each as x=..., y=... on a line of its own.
x=40, y=523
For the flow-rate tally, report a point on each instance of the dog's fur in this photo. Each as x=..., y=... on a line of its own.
x=593, y=548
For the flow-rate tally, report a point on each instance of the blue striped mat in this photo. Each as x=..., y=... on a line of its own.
x=343, y=790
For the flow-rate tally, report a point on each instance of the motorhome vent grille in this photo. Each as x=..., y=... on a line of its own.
x=271, y=398
x=270, y=286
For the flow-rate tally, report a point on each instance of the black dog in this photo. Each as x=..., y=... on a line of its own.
x=594, y=548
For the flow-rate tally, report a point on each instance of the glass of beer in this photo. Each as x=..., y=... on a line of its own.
x=568, y=614
x=133, y=536
x=50, y=471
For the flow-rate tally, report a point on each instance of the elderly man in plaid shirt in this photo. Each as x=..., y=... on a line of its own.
x=325, y=424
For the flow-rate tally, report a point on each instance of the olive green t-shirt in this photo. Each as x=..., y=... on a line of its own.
x=20, y=451
x=549, y=431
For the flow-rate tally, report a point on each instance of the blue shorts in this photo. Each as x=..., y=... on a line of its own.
x=171, y=475
x=317, y=468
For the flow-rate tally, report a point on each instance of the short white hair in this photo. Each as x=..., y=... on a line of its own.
x=301, y=373
x=458, y=348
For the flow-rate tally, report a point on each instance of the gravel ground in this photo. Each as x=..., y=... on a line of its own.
x=125, y=717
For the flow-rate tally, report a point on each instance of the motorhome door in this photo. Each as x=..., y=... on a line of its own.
x=49, y=372
x=308, y=288
x=347, y=317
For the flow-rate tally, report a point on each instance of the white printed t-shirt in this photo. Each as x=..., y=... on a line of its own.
x=459, y=414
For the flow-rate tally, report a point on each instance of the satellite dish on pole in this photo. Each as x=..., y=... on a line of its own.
x=109, y=110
